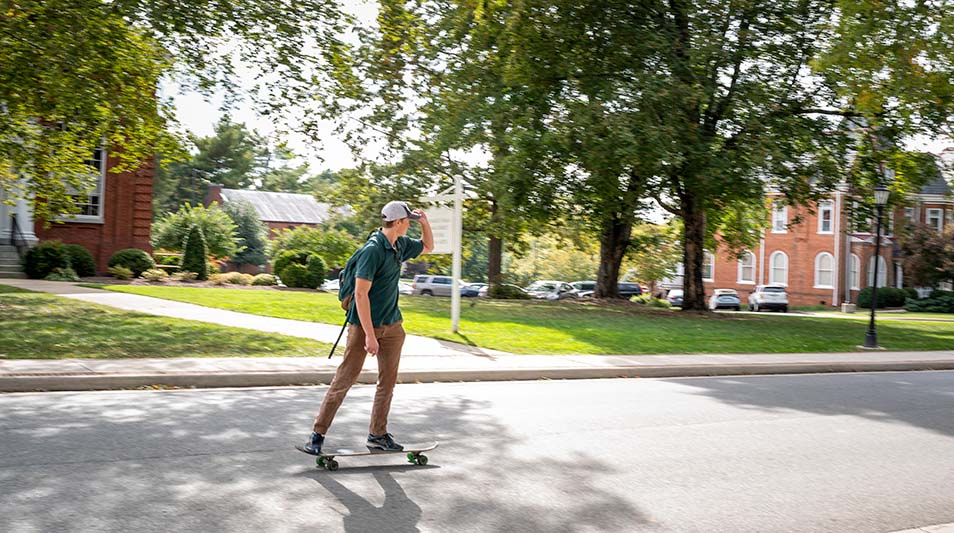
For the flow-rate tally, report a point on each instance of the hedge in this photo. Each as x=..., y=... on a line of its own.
x=887, y=297
x=45, y=258
x=80, y=260
x=134, y=259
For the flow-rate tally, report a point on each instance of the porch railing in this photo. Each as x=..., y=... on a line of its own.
x=17, y=239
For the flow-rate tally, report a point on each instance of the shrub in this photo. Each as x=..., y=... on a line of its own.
x=62, y=274
x=316, y=271
x=134, y=259
x=237, y=278
x=264, y=279
x=184, y=276
x=80, y=260
x=195, y=255
x=887, y=297
x=646, y=299
x=155, y=274
x=288, y=257
x=938, y=293
x=942, y=304
x=121, y=272
x=44, y=258
x=218, y=279
x=295, y=275
x=250, y=232
x=171, y=231
x=910, y=293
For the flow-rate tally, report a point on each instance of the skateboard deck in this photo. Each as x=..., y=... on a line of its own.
x=326, y=459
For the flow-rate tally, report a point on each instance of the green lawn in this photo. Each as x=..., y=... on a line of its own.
x=583, y=328
x=43, y=326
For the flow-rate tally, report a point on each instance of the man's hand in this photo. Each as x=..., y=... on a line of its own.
x=423, y=218
x=371, y=345
x=427, y=236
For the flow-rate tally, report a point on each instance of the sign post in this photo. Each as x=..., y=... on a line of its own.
x=447, y=227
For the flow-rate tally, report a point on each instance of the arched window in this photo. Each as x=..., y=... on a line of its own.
x=882, y=271
x=778, y=268
x=855, y=272
x=708, y=266
x=824, y=270
x=747, y=267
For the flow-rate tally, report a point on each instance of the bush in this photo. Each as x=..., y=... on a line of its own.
x=237, y=278
x=171, y=231
x=264, y=279
x=295, y=275
x=134, y=259
x=316, y=271
x=80, y=260
x=646, y=299
x=288, y=257
x=195, y=256
x=184, y=276
x=155, y=274
x=942, y=304
x=887, y=297
x=44, y=258
x=911, y=293
x=62, y=274
x=218, y=279
x=938, y=293
x=121, y=272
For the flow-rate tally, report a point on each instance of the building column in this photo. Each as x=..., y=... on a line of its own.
x=4, y=218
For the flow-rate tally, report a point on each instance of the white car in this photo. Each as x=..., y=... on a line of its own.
x=331, y=285
x=768, y=297
x=725, y=299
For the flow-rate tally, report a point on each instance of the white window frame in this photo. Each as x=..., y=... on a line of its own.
x=779, y=218
x=830, y=270
x=708, y=257
x=99, y=192
x=826, y=206
x=937, y=214
x=855, y=272
x=773, y=279
x=909, y=213
x=746, y=261
x=882, y=271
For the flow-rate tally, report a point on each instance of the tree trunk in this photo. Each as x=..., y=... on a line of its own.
x=494, y=250
x=694, y=234
x=614, y=241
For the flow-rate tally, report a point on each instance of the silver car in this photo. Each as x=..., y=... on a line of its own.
x=430, y=285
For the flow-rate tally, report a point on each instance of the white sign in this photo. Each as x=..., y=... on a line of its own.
x=442, y=225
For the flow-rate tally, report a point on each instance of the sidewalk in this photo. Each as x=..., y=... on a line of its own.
x=90, y=374
x=427, y=359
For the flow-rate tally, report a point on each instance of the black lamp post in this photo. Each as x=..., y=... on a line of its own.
x=881, y=198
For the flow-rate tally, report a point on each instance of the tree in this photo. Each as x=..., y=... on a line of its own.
x=927, y=255
x=218, y=230
x=334, y=246
x=250, y=232
x=195, y=253
x=655, y=252
x=76, y=73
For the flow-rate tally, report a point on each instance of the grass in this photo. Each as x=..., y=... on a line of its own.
x=43, y=326
x=541, y=327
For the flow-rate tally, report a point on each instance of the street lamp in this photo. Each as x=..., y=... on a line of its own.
x=881, y=198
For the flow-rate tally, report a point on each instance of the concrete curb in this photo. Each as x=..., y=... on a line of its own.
x=80, y=382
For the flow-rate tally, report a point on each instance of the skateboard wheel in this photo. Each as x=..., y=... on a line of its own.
x=421, y=459
x=320, y=462
x=332, y=465
x=411, y=457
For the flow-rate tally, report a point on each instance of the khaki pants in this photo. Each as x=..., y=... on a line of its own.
x=390, y=341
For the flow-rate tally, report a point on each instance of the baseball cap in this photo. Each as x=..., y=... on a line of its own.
x=397, y=210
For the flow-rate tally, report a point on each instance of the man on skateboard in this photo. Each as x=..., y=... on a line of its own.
x=374, y=322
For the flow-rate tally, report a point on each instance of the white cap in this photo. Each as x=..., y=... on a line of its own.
x=396, y=211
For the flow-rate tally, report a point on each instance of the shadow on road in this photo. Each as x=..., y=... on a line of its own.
x=913, y=398
x=397, y=513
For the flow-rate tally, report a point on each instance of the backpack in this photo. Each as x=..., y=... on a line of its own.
x=346, y=277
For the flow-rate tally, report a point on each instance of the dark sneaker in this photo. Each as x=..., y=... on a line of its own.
x=384, y=442
x=313, y=446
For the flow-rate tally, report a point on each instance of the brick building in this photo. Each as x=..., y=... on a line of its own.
x=278, y=210
x=117, y=214
x=821, y=259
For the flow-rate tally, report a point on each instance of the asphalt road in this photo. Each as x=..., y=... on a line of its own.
x=840, y=452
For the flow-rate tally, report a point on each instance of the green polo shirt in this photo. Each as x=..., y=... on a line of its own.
x=380, y=263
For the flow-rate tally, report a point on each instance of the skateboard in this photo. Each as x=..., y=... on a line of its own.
x=327, y=460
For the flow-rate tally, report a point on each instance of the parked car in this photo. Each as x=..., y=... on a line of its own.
x=471, y=290
x=331, y=285
x=768, y=297
x=584, y=289
x=552, y=290
x=429, y=285
x=674, y=297
x=629, y=289
x=405, y=287
x=725, y=299
x=484, y=291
